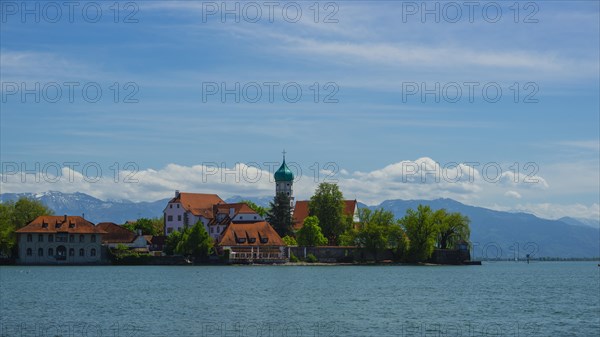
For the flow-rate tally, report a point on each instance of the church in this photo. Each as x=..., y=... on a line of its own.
x=284, y=183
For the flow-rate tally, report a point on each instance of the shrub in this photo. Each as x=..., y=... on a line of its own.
x=310, y=258
x=293, y=258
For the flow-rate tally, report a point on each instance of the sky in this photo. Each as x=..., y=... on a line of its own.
x=493, y=104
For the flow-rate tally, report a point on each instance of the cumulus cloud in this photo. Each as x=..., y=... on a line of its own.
x=423, y=178
x=513, y=194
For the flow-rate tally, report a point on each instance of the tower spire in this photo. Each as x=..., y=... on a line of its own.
x=283, y=154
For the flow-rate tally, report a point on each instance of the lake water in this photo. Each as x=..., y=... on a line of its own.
x=496, y=299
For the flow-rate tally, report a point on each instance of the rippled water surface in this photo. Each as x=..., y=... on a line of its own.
x=496, y=299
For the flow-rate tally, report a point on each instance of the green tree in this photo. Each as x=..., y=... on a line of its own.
x=289, y=240
x=422, y=231
x=7, y=229
x=452, y=228
x=262, y=211
x=195, y=242
x=327, y=204
x=280, y=215
x=171, y=242
x=154, y=226
x=378, y=230
x=14, y=216
x=310, y=234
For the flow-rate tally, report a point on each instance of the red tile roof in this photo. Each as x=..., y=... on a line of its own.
x=199, y=204
x=61, y=224
x=239, y=207
x=301, y=211
x=116, y=233
x=250, y=234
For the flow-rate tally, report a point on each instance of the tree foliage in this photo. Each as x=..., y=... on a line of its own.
x=452, y=228
x=310, y=234
x=195, y=242
x=154, y=226
x=171, y=242
x=379, y=230
x=262, y=211
x=327, y=204
x=422, y=231
x=289, y=240
x=15, y=215
x=280, y=215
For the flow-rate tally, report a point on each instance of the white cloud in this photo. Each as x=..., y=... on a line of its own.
x=513, y=194
x=423, y=178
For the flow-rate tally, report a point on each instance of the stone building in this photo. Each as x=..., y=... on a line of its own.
x=59, y=240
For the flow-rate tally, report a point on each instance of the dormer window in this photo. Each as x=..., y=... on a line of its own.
x=44, y=225
x=239, y=239
x=71, y=225
x=264, y=240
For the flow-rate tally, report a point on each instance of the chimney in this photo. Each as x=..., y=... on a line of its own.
x=176, y=193
x=65, y=220
x=83, y=215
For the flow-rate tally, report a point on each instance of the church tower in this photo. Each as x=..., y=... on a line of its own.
x=284, y=181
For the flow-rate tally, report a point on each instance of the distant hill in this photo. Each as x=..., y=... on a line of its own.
x=493, y=233
x=581, y=222
x=95, y=210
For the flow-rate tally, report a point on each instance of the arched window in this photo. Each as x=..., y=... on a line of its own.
x=29, y=252
x=93, y=252
x=50, y=252
x=71, y=252
x=93, y=237
x=29, y=238
x=81, y=252
x=81, y=237
x=40, y=252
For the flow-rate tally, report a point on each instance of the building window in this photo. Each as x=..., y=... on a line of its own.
x=81, y=252
x=50, y=237
x=29, y=238
x=50, y=252
x=93, y=238
x=71, y=238
x=169, y=218
x=179, y=218
x=241, y=217
x=93, y=252
x=71, y=252
x=212, y=230
x=40, y=237
x=40, y=252
x=177, y=205
x=169, y=230
x=29, y=252
x=170, y=205
x=61, y=253
x=81, y=238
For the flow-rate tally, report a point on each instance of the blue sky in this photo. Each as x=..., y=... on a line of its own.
x=370, y=57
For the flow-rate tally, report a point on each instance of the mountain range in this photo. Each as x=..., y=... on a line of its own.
x=493, y=233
